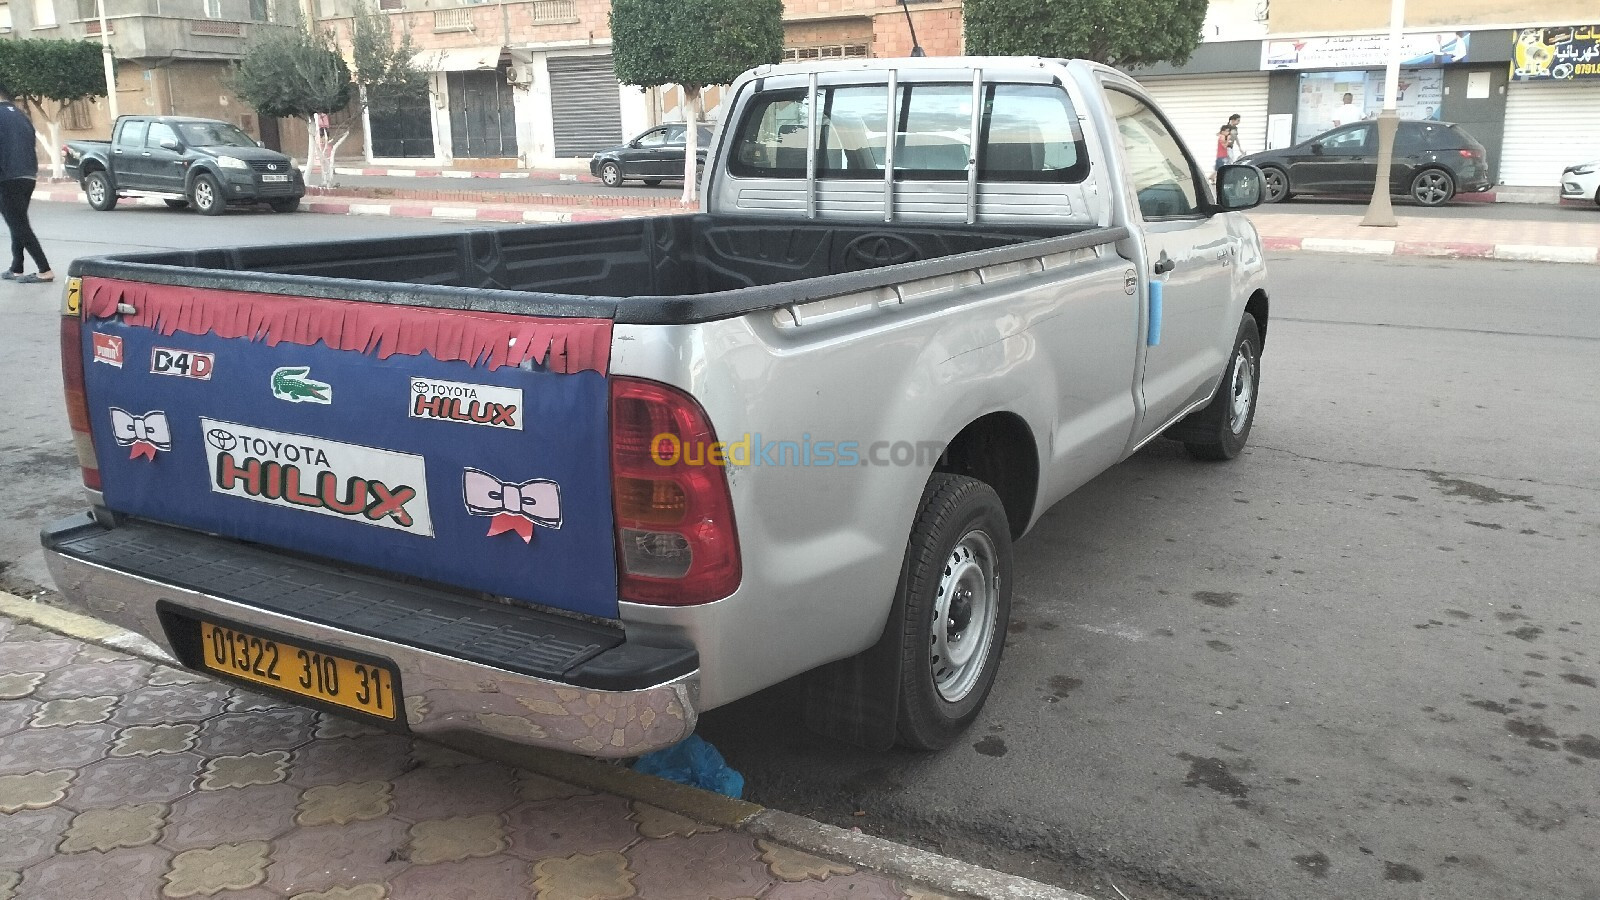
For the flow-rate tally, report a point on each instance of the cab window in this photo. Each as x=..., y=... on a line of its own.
x=653, y=138
x=1162, y=175
x=131, y=134
x=160, y=131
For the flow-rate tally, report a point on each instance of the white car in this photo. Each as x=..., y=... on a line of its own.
x=1581, y=182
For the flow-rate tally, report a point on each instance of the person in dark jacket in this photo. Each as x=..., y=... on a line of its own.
x=19, y=169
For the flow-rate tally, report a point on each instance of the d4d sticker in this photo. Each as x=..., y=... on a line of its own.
x=295, y=384
x=474, y=404
x=385, y=488
x=183, y=363
x=145, y=434
x=108, y=349
x=515, y=505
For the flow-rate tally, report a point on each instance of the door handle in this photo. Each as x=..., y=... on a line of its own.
x=1164, y=264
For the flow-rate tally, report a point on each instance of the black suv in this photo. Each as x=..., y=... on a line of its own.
x=1433, y=161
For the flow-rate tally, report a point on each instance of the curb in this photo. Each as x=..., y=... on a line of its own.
x=887, y=857
x=1436, y=249
x=528, y=174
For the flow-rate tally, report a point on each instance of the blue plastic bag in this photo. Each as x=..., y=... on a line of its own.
x=694, y=762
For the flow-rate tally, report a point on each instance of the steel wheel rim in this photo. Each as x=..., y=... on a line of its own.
x=1277, y=185
x=965, y=611
x=1242, y=386
x=1430, y=188
x=97, y=191
x=611, y=175
x=203, y=196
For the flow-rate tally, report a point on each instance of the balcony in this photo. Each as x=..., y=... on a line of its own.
x=179, y=29
x=448, y=20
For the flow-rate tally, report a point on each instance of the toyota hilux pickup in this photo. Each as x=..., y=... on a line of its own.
x=574, y=485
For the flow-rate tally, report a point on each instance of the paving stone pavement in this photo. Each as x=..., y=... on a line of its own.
x=122, y=778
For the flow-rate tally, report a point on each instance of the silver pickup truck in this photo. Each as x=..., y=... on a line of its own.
x=573, y=485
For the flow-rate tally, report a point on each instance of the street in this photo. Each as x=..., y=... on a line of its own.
x=1356, y=662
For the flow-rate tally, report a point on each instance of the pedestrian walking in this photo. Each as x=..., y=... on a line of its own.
x=1236, y=149
x=1224, y=154
x=19, y=169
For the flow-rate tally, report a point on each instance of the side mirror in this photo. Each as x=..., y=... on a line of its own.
x=169, y=144
x=1239, y=187
x=1316, y=149
x=634, y=143
x=262, y=144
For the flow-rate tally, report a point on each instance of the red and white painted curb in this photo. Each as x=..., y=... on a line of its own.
x=356, y=206
x=532, y=174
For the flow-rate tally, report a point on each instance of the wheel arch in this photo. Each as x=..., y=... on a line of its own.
x=999, y=449
x=90, y=166
x=1256, y=306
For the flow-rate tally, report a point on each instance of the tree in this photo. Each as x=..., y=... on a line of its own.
x=693, y=43
x=297, y=73
x=386, y=73
x=46, y=76
x=1122, y=33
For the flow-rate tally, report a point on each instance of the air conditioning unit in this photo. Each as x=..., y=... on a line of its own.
x=518, y=75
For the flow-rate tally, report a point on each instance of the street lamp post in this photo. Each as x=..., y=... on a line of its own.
x=1380, y=212
x=110, y=61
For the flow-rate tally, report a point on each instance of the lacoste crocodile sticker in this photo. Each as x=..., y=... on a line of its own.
x=514, y=506
x=385, y=488
x=472, y=404
x=295, y=384
x=145, y=434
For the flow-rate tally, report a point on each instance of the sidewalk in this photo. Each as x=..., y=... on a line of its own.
x=123, y=777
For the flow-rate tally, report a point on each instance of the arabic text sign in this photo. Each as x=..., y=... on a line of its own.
x=1556, y=54
x=1364, y=51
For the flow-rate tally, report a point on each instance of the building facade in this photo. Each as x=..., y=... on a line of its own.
x=1521, y=77
x=529, y=83
x=173, y=56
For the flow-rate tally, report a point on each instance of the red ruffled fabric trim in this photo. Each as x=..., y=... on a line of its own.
x=561, y=345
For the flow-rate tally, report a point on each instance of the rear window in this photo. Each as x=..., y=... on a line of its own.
x=1416, y=136
x=1026, y=133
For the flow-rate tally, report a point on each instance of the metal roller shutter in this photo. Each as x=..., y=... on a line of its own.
x=585, y=104
x=1198, y=106
x=1549, y=125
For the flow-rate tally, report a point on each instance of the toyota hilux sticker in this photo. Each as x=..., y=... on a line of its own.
x=145, y=434
x=514, y=506
x=385, y=488
x=473, y=404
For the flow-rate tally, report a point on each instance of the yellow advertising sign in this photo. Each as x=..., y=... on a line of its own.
x=74, y=302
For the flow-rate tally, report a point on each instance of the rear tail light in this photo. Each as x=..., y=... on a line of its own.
x=676, y=543
x=77, y=399
x=1471, y=154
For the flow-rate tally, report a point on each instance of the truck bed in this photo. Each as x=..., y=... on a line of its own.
x=648, y=270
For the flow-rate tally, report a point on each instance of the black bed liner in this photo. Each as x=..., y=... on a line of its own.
x=661, y=270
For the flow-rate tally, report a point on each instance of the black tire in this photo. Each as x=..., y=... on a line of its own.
x=1277, y=182
x=651, y=182
x=1220, y=431
x=285, y=204
x=1433, y=187
x=611, y=174
x=960, y=539
x=97, y=187
x=176, y=204
x=205, y=195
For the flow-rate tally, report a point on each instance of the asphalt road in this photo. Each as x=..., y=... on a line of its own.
x=1356, y=662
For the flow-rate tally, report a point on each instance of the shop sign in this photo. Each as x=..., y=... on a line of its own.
x=1360, y=51
x=1556, y=54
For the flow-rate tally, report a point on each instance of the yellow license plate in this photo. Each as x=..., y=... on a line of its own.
x=308, y=673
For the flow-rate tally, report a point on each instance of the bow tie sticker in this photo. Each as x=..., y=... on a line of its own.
x=145, y=434
x=515, y=506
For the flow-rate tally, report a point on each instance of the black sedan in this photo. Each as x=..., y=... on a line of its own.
x=1433, y=161
x=651, y=157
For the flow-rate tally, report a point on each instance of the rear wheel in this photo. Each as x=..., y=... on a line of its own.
x=1277, y=181
x=650, y=182
x=1433, y=187
x=176, y=204
x=102, y=196
x=206, y=195
x=955, y=589
x=1220, y=431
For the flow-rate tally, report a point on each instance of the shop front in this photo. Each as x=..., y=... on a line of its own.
x=1552, y=117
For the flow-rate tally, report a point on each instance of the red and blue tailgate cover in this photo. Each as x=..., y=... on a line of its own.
x=466, y=448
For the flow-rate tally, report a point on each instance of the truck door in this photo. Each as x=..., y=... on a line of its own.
x=1187, y=252
x=128, y=153
x=163, y=166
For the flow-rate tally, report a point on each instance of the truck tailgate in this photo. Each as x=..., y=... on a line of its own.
x=469, y=449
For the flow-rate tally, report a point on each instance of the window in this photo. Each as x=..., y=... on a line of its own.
x=159, y=131
x=654, y=138
x=1028, y=133
x=837, y=51
x=1163, y=176
x=260, y=11
x=78, y=116
x=5, y=17
x=677, y=135
x=131, y=134
x=44, y=13
x=213, y=9
x=1351, y=140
